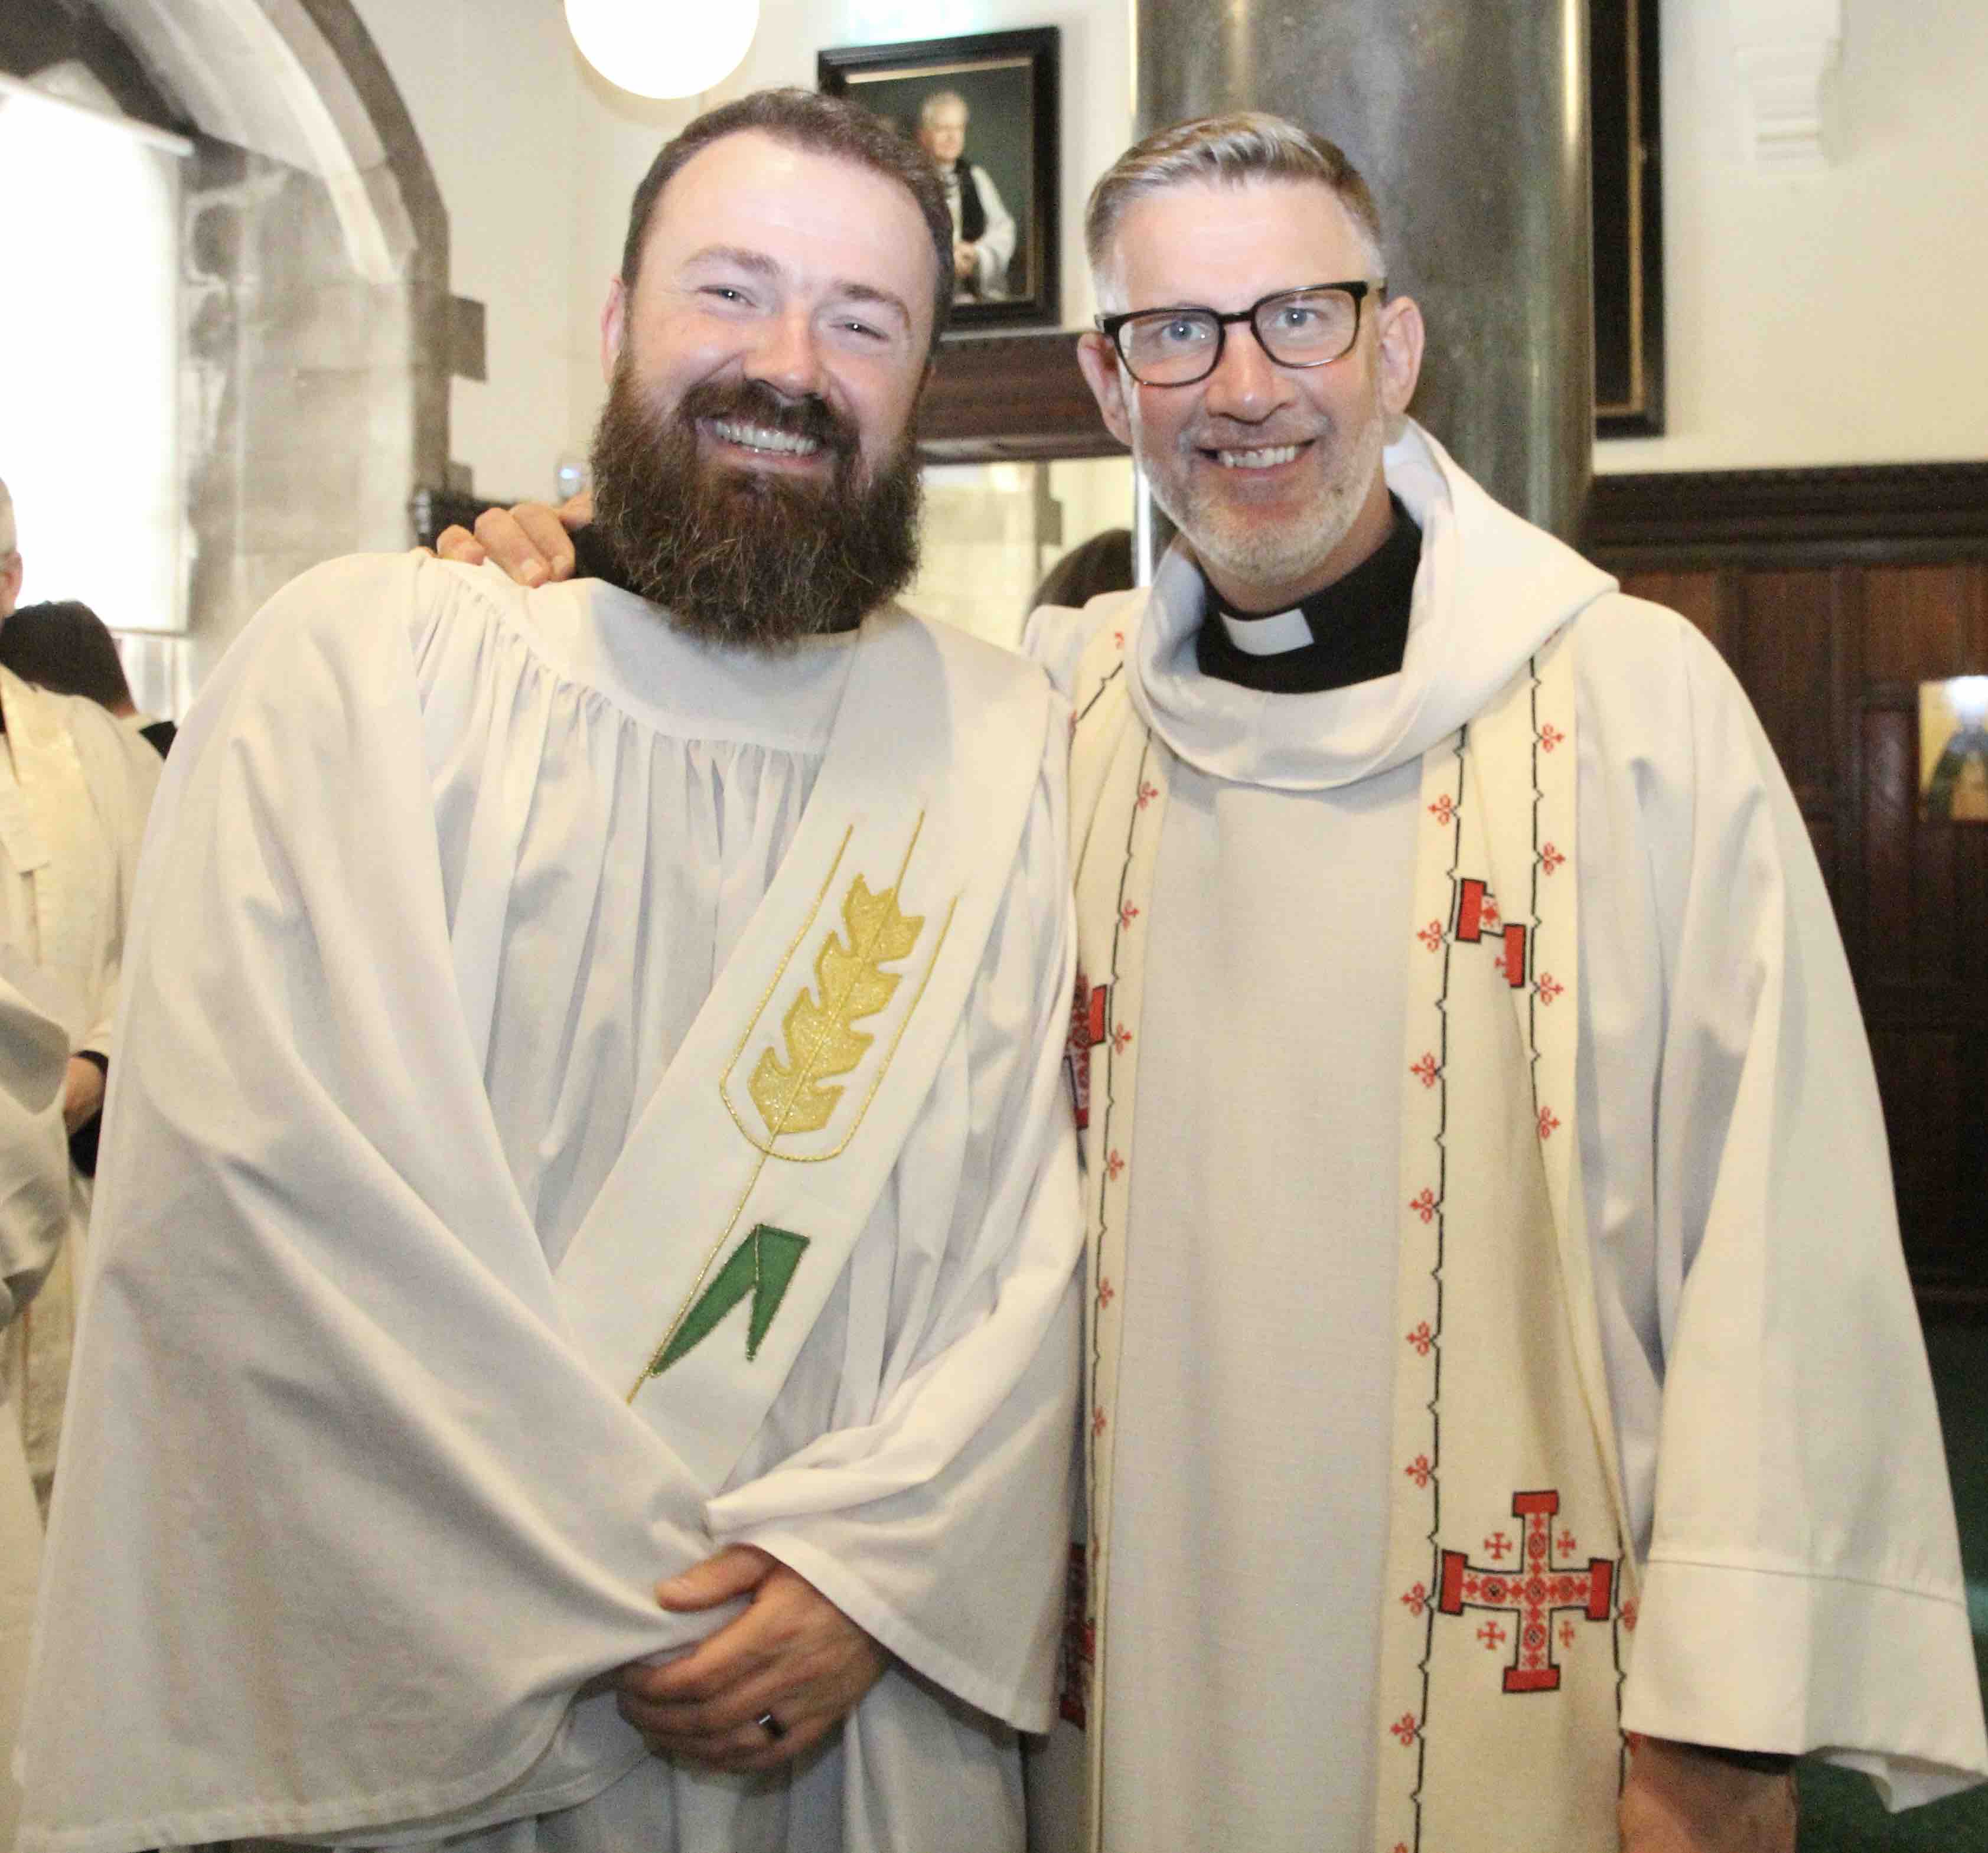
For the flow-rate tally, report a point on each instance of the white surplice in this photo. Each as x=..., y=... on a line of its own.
x=75, y=788
x=346, y=1519
x=34, y=1209
x=1771, y=1402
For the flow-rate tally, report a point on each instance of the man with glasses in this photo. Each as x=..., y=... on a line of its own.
x=1493, y=1262
x=1498, y=1337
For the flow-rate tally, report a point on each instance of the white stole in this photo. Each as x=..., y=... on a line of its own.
x=1499, y=1685
x=723, y=1227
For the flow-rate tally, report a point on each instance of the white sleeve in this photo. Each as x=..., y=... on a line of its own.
x=995, y=247
x=1802, y=1590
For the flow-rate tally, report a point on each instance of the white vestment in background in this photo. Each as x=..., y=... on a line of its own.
x=75, y=789
x=1786, y=1487
x=35, y=1208
x=443, y=874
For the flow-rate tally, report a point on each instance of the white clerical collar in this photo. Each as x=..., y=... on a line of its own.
x=1268, y=636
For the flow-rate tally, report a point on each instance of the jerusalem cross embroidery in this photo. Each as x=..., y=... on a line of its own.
x=1478, y=920
x=1086, y=1030
x=1530, y=1593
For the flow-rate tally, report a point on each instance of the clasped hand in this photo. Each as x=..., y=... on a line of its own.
x=792, y=1652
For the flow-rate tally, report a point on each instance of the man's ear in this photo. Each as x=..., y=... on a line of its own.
x=10, y=583
x=1401, y=345
x=614, y=326
x=1106, y=378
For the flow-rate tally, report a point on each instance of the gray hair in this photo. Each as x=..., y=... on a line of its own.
x=7, y=537
x=938, y=100
x=1248, y=145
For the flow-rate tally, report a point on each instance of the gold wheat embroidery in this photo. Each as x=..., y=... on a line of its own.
x=798, y=1096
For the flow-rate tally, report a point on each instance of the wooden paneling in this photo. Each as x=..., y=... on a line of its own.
x=996, y=396
x=1833, y=594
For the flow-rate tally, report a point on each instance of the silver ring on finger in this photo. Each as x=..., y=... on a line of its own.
x=774, y=1729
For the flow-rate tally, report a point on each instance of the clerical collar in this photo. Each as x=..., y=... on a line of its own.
x=1353, y=630
x=594, y=558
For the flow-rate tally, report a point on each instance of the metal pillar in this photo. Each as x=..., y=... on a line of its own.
x=1470, y=122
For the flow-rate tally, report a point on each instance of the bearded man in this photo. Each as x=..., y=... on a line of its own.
x=525, y=980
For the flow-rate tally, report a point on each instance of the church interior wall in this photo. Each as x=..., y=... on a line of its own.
x=537, y=157
x=1828, y=317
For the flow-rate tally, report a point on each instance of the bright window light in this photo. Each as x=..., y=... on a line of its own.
x=89, y=327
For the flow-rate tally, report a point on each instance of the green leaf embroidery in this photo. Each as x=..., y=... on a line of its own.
x=761, y=1265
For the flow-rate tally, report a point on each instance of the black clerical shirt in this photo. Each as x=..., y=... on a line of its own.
x=1359, y=625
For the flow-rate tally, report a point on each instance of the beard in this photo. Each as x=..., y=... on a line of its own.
x=1237, y=542
x=747, y=558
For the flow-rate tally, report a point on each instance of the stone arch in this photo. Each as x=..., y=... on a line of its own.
x=315, y=294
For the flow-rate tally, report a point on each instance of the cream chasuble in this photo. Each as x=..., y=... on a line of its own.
x=1228, y=1692
x=522, y=994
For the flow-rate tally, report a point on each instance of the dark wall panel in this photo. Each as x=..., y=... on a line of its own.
x=1833, y=595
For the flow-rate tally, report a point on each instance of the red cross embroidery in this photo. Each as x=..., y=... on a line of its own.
x=1629, y=1616
x=1425, y=1071
x=1107, y=1293
x=1422, y=1338
x=1097, y=1420
x=1477, y=915
x=1444, y=809
x=1534, y=1593
x=1548, y=1124
x=1424, y=1205
x=1565, y=1543
x=1492, y=1635
x=1431, y=935
x=1118, y=640
x=1127, y=914
x=1114, y=1164
x=1086, y=1031
x=1419, y=1470
x=1497, y=1546
x=1415, y=1600
x=1146, y=793
x=1121, y=1035
x=1404, y=1727
x=1549, y=736
x=1550, y=858
x=1548, y=987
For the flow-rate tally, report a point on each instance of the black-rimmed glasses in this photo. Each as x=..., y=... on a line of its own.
x=1313, y=326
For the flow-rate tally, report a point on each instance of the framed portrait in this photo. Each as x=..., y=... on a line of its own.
x=985, y=107
x=1953, y=750
x=1623, y=104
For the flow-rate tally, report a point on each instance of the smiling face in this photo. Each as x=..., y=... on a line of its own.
x=1272, y=473
x=754, y=470
x=808, y=274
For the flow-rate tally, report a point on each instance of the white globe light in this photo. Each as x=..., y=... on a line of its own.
x=663, y=47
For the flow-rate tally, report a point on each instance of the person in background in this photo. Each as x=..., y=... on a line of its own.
x=64, y=646
x=34, y=1210
x=75, y=791
x=983, y=230
x=10, y=556
x=1102, y=564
